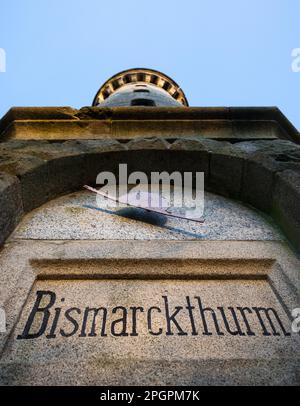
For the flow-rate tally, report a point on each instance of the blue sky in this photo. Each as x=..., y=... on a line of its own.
x=222, y=53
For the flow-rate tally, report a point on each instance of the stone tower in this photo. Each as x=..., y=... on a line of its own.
x=140, y=87
x=93, y=295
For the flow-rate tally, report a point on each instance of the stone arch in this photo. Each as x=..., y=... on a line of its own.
x=263, y=174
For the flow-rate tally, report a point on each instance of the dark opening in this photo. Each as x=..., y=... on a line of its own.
x=142, y=102
x=105, y=94
x=127, y=79
x=154, y=79
x=115, y=84
x=166, y=86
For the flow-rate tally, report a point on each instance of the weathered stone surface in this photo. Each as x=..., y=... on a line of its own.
x=11, y=209
x=141, y=274
x=34, y=113
x=255, y=129
x=148, y=143
x=132, y=122
x=286, y=204
x=267, y=114
x=95, y=146
x=55, y=130
x=257, y=185
x=41, y=149
x=158, y=373
x=66, y=174
x=267, y=146
x=83, y=256
x=154, y=341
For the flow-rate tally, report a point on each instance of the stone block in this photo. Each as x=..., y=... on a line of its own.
x=226, y=171
x=11, y=209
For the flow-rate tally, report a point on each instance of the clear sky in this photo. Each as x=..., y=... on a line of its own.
x=221, y=52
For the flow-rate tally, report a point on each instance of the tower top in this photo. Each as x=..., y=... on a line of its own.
x=140, y=87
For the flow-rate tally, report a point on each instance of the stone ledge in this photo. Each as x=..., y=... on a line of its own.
x=148, y=143
x=259, y=174
x=136, y=113
x=219, y=372
x=61, y=123
x=286, y=204
x=36, y=113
